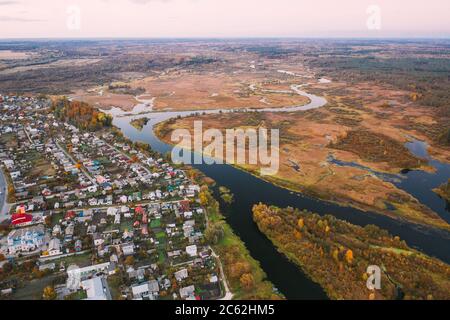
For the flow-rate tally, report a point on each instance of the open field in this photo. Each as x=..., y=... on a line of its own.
x=13, y=55
x=354, y=128
x=381, y=94
x=56, y=64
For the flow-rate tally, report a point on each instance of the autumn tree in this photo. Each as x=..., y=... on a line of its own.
x=49, y=293
x=129, y=261
x=349, y=256
x=247, y=282
x=214, y=233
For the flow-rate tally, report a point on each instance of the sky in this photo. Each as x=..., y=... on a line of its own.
x=223, y=18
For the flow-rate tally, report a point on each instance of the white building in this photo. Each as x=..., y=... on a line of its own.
x=26, y=239
x=191, y=250
x=76, y=274
x=54, y=247
x=96, y=289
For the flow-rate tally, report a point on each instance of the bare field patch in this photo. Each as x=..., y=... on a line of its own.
x=14, y=55
x=214, y=91
x=57, y=64
x=106, y=100
x=308, y=138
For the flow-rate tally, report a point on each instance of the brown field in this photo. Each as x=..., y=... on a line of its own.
x=187, y=91
x=308, y=138
x=106, y=100
x=57, y=64
x=14, y=55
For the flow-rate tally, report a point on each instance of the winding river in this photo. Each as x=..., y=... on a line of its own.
x=249, y=190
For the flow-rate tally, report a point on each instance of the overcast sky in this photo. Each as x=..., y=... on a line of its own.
x=224, y=18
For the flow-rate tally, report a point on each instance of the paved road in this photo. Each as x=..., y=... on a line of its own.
x=3, y=195
x=75, y=162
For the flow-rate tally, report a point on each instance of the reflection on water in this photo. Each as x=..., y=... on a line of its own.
x=418, y=183
x=249, y=190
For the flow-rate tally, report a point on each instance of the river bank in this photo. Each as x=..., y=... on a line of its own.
x=336, y=254
x=249, y=190
x=406, y=208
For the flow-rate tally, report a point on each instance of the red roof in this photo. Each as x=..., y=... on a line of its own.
x=21, y=218
x=70, y=215
x=139, y=210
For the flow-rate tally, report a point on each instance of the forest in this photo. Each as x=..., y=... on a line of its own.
x=336, y=255
x=80, y=114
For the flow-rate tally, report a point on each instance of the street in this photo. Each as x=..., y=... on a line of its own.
x=3, y=195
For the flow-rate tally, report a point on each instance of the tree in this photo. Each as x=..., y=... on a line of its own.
x=247, y=281
x=129, y=261
x=214, y=233
x=204, y=200
x=349, y=256
x=301, y=224
x=336, y=255
x=49, y=293
x=7, y=267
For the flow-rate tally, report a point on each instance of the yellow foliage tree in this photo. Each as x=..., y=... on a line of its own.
x=349, y=256
x=247, y=281
x=49, y=293
x=301, y=223
x=204, y=198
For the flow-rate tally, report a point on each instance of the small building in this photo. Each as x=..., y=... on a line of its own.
x=191, y=250
x=96, y=289
x=128, y=249
x=181, y=275
x=54, y=247
x=187, y=292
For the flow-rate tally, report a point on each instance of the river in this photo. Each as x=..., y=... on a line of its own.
x=249, y=190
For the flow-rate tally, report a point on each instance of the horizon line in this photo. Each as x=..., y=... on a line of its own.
x=234, y=38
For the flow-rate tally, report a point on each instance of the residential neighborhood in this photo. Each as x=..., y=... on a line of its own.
x=92, y=216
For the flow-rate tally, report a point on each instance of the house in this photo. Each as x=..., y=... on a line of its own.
x=111, y=211
x=187, y=292
x=78, y=245
x=191, y=250
x=128, y=248
x=98, y=239
x=146, y=290
x=181, y=275
x=76, y=274
x=68, y=233
x=56, y=230
x=54, y=247
x=153, y=286
x=48, y=266
x=92, y=189
x=117, y=218
x=96, y=289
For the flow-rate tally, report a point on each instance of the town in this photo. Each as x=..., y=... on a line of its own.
x=89, y=215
